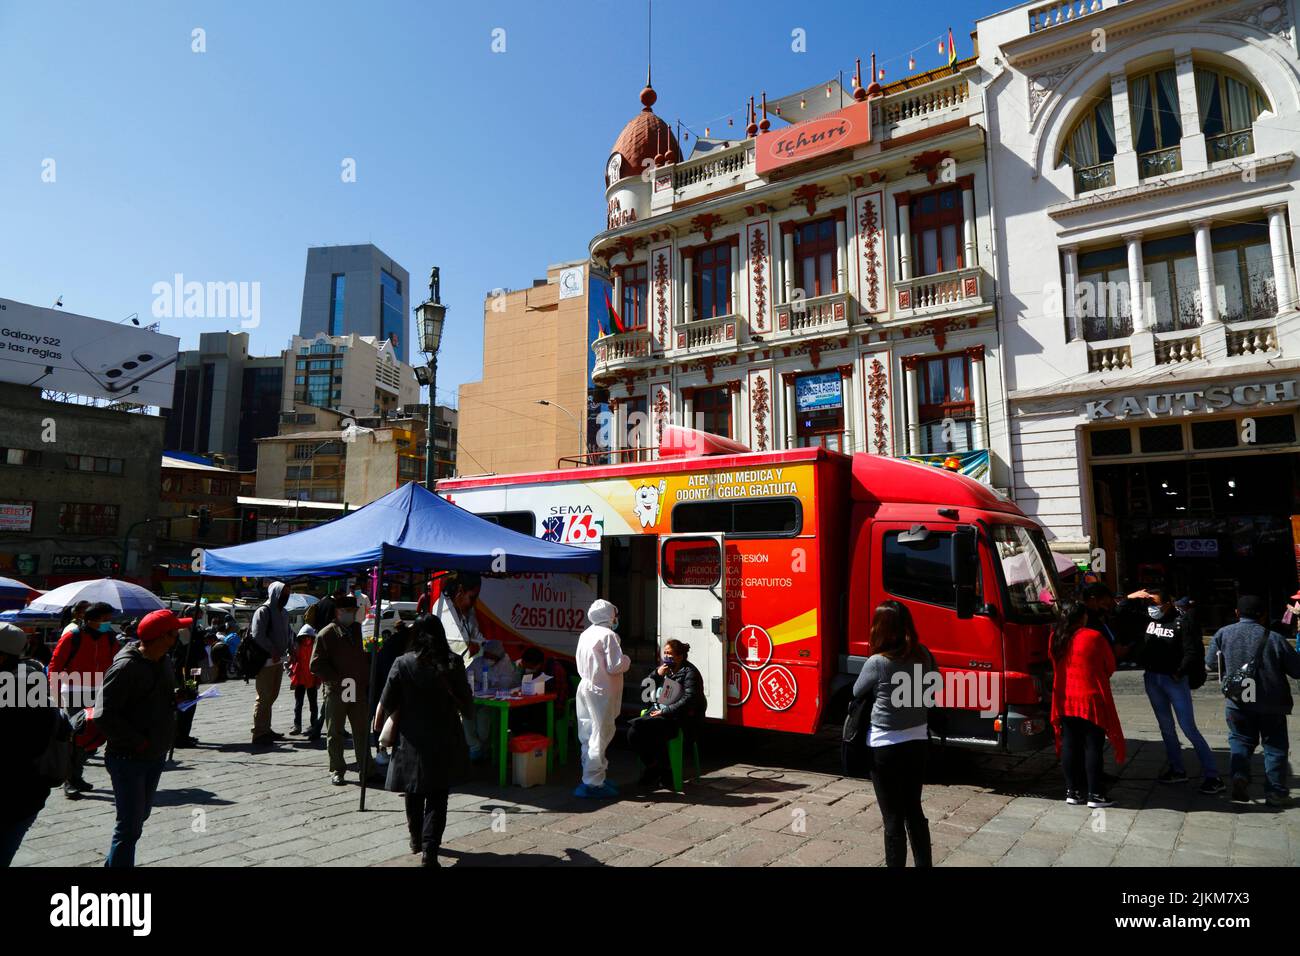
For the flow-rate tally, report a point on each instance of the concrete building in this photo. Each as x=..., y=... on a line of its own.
x=1146, y=204
x=225, y=399
x=356, y=290
x=355, y=374
x=188, y=487
x=79, y=487
x=534, y=349
x=826, y=280
x=445, y=437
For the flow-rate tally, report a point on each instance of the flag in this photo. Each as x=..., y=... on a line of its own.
x=615, y=320
x=952, y=48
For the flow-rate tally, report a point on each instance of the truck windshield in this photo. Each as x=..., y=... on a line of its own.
x=1028, y=573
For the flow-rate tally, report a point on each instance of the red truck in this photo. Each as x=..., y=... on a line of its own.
x=769, y=565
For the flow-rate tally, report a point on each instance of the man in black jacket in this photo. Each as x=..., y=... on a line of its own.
x=1170, y=651
x=1261, y=714
x=137, y=714
x=27, y=716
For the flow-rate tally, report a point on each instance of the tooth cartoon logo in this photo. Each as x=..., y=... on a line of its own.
x=649, y=503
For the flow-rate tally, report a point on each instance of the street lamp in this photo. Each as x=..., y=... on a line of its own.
x=429, y=316
x=582, y=435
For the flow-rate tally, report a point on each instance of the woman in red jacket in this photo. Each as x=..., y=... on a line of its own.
x=1083, y=710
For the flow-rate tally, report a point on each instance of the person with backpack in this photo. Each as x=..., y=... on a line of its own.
x=426, y=695
x=899, y=729
x=271, y=635
x=1172, y=655
x=1083, y=708
x=26, y=731
x=76, y=670
x=1254, y=664
x=137, y=714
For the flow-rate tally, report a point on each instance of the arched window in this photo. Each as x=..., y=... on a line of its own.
x=1090, y=147
x=1229, y=106
x=1157, y=122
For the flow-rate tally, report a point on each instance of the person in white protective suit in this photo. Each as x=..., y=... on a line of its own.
x=601, y=665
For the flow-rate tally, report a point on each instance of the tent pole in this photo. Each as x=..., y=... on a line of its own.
x=374, y=664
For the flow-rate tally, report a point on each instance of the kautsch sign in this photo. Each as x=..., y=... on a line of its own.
x=842, y=129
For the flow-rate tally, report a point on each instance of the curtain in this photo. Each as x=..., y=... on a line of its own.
x=1205, y=84
x=1168, y=81
x=1139, y=100
x=1240, y=115
x=1106, y=119
x=1083, y=144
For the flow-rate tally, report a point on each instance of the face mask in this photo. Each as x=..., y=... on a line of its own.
x=104, y=628
x=1155, y=613
x=669, y=660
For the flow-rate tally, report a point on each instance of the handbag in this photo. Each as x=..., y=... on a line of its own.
x=1239, y=685
x=857, y=759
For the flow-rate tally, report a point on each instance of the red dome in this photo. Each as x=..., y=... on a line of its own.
x=645, y=137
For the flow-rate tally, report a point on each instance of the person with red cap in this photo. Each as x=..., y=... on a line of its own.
x=137, y=713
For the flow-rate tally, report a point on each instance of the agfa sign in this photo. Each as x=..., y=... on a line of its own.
x=815, y=137
x=1215, y=398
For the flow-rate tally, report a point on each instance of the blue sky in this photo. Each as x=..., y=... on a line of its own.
x=226, y=165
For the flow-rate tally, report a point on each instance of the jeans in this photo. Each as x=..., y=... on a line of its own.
x=1245, y=730
x=298, y=694
x=134, y=784
x=426, y=819
x=11, y=837
x=1170, y=698
x=897, y=776
x=1081, y=760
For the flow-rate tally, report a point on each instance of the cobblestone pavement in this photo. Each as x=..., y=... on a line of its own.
x=763, y=800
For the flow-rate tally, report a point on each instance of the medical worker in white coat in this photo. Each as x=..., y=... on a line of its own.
x=601, y=665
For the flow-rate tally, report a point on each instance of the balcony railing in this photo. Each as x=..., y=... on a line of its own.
x=1230, y=145
x=622, y=349
x=708, y=335
x=1064, y=11
x=1160, y=161
x=1255, y=340
x=1109, y=356
x=823, y=313
x=922, y=101
x=1177, y=348
x=711, y=165
x=937, y=292
x=1094, y=177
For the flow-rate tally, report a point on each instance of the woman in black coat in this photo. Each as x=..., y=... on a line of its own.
x=427, y=693
x=679, y=705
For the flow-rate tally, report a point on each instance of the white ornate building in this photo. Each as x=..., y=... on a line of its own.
x=1145, y=207
x=825, y=279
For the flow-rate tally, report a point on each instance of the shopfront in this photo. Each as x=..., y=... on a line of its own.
x=1195, y=489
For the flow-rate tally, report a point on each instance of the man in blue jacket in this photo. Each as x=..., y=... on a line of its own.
x=1266, y=701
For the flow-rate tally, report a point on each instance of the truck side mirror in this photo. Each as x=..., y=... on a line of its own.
x=965, y=569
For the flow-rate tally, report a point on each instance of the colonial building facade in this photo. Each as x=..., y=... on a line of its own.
x=826, y=279
x=1143, y=156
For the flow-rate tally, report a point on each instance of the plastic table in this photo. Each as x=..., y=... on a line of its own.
x=503, y=706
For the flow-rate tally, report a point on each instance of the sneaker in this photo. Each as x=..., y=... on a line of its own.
x=1212, y=786
x=336, y=778
x=71, y=792
x=1278, y=798
x=1172, y=776
x=81, y=785
x=297, y=730
x=275, y=736
x=1098, y=802
x=1240, y=793
x=1074, y=798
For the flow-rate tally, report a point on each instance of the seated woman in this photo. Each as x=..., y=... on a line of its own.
x=533, y=663
x=679, y=705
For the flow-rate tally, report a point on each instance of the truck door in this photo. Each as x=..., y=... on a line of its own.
x=692, y=607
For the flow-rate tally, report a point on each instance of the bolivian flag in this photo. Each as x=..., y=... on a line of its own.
x=615, y=320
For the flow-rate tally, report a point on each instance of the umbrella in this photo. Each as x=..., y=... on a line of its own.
x=299, y=601
x=28, y=616
x=129, y=600
x=9, y=588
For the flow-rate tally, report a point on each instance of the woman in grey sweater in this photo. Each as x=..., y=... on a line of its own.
x=894, y=683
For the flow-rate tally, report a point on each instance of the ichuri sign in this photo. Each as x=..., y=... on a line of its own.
x=842, y=129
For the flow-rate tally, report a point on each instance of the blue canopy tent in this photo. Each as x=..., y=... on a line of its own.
x=410, y=529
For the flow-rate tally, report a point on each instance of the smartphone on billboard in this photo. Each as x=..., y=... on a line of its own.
x=117, y=365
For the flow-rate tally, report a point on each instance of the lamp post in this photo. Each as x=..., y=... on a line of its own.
x=429, y=316
x=582, y=437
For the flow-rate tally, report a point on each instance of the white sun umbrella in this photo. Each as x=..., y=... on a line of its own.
x=10, y=588
x=298, y=601
x=129, y=600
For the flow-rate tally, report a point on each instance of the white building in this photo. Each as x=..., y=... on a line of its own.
x=1145, y=208
x=354, y=374
x=824, y=278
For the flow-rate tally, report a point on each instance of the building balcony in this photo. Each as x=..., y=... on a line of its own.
x=806, y=318
x=939, y=294
x=923, y=106
x=1230, y=145
x=622, y=350
x=1110, y=356
x=708, y=336
x=1160, y=162
x=1211, y=344
x=1065, y=11
x=1100, y=176
x=712, y=171
x=1252, y=338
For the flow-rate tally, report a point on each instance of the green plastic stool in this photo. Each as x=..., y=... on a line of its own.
x=675, y=747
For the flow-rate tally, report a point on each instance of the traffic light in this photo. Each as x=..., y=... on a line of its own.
x=205, y=521
x=248, y=524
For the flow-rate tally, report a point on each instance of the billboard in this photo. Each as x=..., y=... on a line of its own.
x=65, y=352
x=843, y=129
x=818, y=392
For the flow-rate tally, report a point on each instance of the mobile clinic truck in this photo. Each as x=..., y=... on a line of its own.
x=769, y=565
